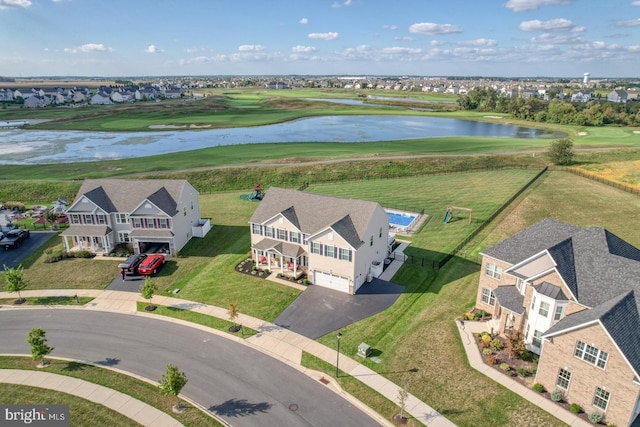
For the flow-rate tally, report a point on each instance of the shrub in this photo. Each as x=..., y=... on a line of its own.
x=523, y=372
x=496, y=344
x=468, y=316
x=533, y=370
x=595, y=416
x=305, y=281
x=575, y=408
x=557, y=395
x=492, y=359
x=486, y=351
x=538, y=387
x=486, y=338
x=82, y=254
x=505, y=367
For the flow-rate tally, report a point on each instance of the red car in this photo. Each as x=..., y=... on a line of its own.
x=151, y=264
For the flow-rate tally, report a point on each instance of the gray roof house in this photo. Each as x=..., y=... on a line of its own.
x=338, y=243
x=574, y=294
x=150, y=215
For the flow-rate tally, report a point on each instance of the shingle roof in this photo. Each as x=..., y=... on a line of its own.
x=510, y=298
x=122, y=195
x=552, y=291
x=315, y=212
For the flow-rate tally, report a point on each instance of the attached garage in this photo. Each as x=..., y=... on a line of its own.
x=331, y=281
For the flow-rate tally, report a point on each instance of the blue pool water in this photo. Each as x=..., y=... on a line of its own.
x=400, y=220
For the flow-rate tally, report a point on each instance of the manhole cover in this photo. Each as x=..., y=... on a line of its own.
x=293, y=407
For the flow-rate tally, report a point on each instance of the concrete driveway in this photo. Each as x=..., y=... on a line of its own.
x=13, y=257
x=319, y=311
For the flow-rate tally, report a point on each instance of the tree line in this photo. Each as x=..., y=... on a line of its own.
x=557, y=111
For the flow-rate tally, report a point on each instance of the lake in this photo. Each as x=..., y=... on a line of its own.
x=25, y=146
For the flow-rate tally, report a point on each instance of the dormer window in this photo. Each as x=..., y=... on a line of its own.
x=559, y=312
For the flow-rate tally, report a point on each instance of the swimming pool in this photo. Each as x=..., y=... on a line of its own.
x=401, y=220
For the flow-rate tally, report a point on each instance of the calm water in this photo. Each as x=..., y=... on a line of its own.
x=23, y=146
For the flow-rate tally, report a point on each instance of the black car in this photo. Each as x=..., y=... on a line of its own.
x=130, y=266
x=13, y=238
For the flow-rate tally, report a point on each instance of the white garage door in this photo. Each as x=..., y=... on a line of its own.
x=331, y=281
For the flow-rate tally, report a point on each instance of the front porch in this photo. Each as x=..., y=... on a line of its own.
x=95, y=239
x=286, y=259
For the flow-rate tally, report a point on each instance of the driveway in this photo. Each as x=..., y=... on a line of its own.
x=245, y=387
x=13, y=257
x=319, y=311
x=130, y=284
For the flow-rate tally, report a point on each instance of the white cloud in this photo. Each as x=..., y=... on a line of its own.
x=558, y=24
x=555, y=38
x=152, y=48
x=635, y=3
x=632, y=23
x=524, y=5
x=336, y=5
x=305, y=49
x=304, y=21
x=88, y=48
x=401, y=50
x=324, y=36
x=478, y=42
x=390, y=27
x=250, y=48
x=4, y=4
x=429, y=28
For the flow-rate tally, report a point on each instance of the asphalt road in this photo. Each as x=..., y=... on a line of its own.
x=241, y=385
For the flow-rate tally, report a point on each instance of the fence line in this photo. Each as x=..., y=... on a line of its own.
x=590, y=175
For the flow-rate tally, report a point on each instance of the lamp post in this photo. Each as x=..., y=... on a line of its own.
x=338, y=336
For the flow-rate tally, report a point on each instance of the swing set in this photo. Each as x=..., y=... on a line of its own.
x=449, y=214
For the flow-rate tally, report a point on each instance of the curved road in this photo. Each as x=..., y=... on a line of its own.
x=239, y=384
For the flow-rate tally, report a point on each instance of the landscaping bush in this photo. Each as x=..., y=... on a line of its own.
x=59, y=256
x=523, y=372
x=538, y=387
x=595, y=417
x=487, y=351
x=557, y=395
x=575, y=408
x=505, y=367
x=492, y=359
x=496, y=344
x=533, y=370
x=468, y=316
x=82, y=254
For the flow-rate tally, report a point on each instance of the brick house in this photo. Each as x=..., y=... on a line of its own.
x=571, y=292
x=158, y=215
x=339, y=243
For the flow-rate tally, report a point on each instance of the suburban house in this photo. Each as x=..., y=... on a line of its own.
x=150, y=215
x=338, y=243
x=617, y=95
x=571, y=292
x=582, y=96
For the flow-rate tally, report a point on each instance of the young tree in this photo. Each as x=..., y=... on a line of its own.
x=233, y=315
x=172, y=383
x=561, y=151
x=148, y=290
x=39, y=349
x=14, y=277
x=515, y=344
x=403, y=395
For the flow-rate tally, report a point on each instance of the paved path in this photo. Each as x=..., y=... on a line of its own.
x=131, y=408
x=467, y=329
x=271, y=339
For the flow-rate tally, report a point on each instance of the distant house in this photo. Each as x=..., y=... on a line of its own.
x=146, y=94
x=617, y=95
x=277, y=85
x=173, y=93
x=574, y=295
x=6, y=95
x=150, y=215
x=34, y=102
x=339, y=243
x=582, y=96
x=100, y=98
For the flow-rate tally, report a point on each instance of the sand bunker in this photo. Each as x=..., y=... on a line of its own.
x=637, y=132
x=492, y=117
x=191, y=126
x=582, y=133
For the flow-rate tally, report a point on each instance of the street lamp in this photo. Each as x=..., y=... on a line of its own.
x=338, y=336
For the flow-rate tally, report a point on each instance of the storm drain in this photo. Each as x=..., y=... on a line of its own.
x=293, y=407
x=323, y=380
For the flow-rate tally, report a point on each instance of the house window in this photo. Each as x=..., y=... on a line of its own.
x=371, y=241
x=564, y=378
x=305, y=238
x=533, y=303
x=185, y=211
x=256, y=228
x=345, y=254
x=493, y=270
x=163, y=223
x=101, y=219
x=601, y=398
x=316, y=248
x=282, y=234
x=268, y=231
x=137, y=223
x=559, y=312
x=124, y=237
x=121, y=218
x=544, y=309
x=192, y=205
x=488, y=297
x=380, y=232
x=537, y=338
x=330, y=251
x=75, y=219
x=88, y=219
x=294, y=236
x=520, y=286
x=591, y=354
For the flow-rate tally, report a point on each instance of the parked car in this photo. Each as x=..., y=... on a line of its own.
x=151, y=264
x=131, y=264
x=13, y=238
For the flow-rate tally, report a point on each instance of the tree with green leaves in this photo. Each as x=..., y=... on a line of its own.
x=561, y=151
x=37, y=338
x=172, y=383
x=14, y=278
x=149, y=289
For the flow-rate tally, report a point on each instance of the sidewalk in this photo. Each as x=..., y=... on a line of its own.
x=271, y=339
x=467, y=329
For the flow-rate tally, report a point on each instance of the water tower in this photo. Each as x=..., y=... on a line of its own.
x=585, y=79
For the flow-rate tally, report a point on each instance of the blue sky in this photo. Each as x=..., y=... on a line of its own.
x=510, y=38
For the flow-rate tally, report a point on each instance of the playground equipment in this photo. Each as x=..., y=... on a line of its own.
x=449, y=214
x=257, y=194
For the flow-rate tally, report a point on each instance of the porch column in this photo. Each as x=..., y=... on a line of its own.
x=295, y=267
x=66, y=244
